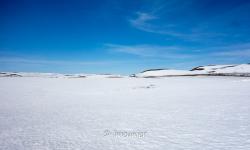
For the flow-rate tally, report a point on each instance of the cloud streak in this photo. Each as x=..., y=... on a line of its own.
x=143, y=21
x=189, y=21
x=149, y=51
x=242, y=50
x=178, y=52
x=19, y=60
x=238, y=53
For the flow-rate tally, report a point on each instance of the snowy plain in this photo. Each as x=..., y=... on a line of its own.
x=173, y=113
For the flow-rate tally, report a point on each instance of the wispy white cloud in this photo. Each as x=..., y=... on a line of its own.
x=172, y=19
x=153, y=51
x=236, y=53
x=238, y=50
x=21, y=60
x=143, y=21
x=178, y=52
x=149, y=22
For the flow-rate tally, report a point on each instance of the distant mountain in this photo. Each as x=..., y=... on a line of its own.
x=210, y=70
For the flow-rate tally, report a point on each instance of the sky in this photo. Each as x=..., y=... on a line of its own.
x=122, y=36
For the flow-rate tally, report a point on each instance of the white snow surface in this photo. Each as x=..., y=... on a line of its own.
x=191, y=113
x=233, y=70
x=164, y=72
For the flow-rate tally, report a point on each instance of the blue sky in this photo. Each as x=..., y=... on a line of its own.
x=122, y=36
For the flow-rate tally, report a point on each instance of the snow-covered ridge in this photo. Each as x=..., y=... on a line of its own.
x=56, y=75
x=210, y=70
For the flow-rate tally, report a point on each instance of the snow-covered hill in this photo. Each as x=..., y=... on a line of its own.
x=231, y=69
x=211, y=70
x=163, y=73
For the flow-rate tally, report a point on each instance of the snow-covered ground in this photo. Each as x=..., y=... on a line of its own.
x=99, y=113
